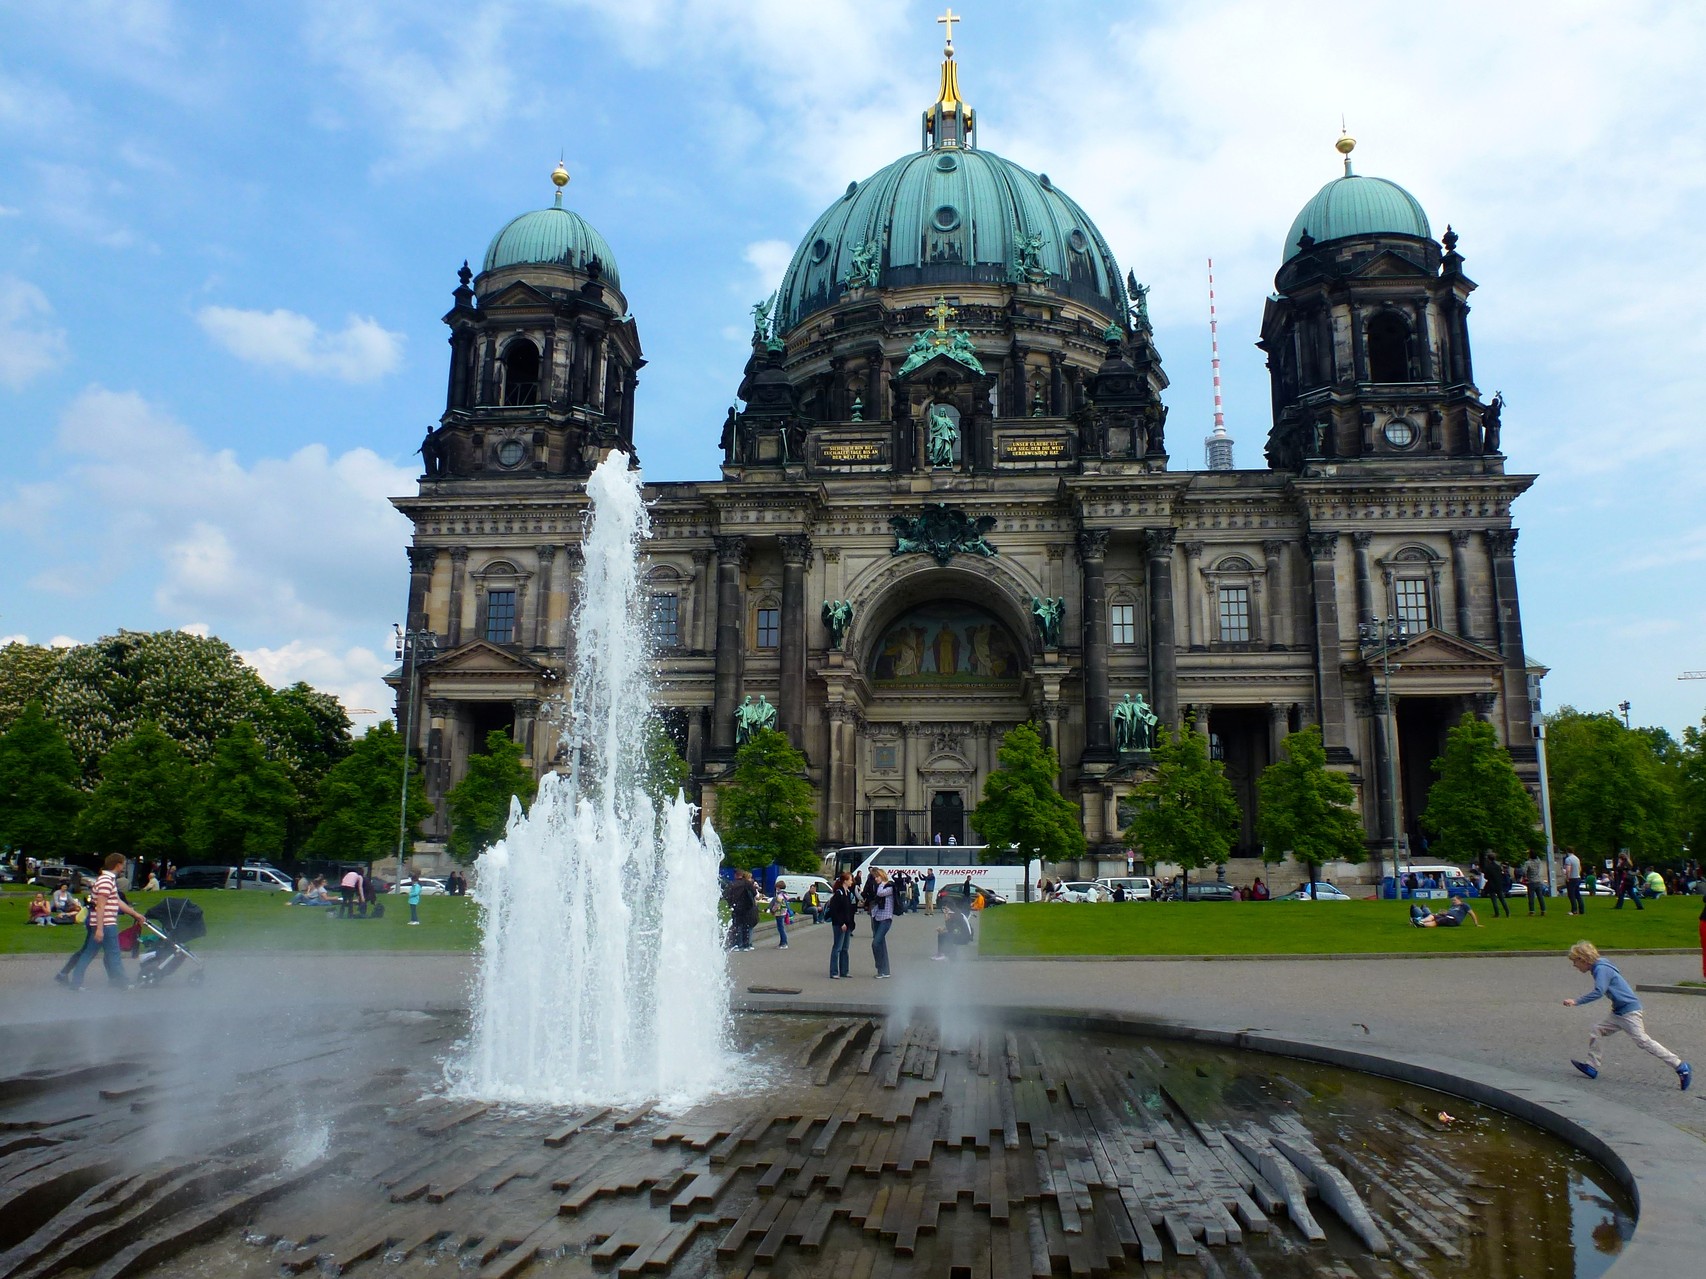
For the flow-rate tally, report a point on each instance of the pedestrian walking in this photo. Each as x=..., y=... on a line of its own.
x=415, y=899
x=102, y=935
x=843, y=915
x=882, y=919
x=779, y=912
x=1573, y=882
x=1496, y=886
x=1534, y=877
x=1625, y=883
x=744, y=900
x=1625, y=1014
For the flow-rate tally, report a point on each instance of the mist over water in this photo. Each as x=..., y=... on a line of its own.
x=601, y=974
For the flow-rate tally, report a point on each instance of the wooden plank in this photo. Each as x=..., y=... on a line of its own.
x=562, y=1135
x=454, y=1118
x=634, y=1116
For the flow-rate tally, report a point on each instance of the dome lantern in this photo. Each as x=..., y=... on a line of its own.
x=1355, y=205
x=556, y=236
x=949, y=121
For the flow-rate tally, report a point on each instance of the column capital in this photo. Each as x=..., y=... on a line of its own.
x=547, y=552
x=1460, y=539
x=1322, y=546
x=438, y=707
x=459, y=556
x=1362, y=540
x=1501, y=541
x=1192, y=550
x=1092, y=543
x=701, y=556
x=731, y=549
x=1278, y=712
x=1056, y=550
x=796, y=548
x=1160, y=542
x=525, y=707
x=422, y=558
x=832, y=555
x=1273, y=547
x=573, y=556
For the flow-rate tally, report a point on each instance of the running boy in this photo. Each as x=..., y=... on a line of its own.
x=1625, y=1014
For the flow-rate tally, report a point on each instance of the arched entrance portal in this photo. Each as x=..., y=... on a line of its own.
x=946, y=678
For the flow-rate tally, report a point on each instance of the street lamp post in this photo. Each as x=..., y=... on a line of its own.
x=1382, y=634
x=1624, y=707
x=409, y=646
x=1539, y=723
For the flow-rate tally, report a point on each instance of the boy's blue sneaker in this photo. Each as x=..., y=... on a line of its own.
x=1588, y=1070
x=1685, y=1072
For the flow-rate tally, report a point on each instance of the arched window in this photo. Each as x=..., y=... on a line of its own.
x=1388, y=348
x=521, y=372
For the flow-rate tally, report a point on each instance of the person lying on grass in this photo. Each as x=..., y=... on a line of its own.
x=1452, y=917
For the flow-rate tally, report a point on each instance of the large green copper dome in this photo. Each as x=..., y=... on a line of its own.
x=946, y=216
x=551, y=237
x=1355, y=205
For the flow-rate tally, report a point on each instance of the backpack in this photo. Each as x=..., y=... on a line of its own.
x=868, y=895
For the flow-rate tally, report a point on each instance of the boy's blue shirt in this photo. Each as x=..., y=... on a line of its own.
x=1609, y=982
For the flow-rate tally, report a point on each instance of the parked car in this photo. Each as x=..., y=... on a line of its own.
x=429, y=887
x=258, y=877
x=797, y=886
x=54, y=874
x=201, y=876
x=1213, y=891
x=1324, y=892
x=958, y=891
x=1138, y=888
x=1082, y=890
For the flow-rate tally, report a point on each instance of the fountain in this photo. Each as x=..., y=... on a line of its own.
x=601, y=974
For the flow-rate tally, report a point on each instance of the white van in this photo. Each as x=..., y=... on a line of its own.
x=1138, y=888
x=1451, y=880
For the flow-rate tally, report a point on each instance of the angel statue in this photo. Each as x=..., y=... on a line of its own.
x=1049, y=614
x=761, y=316
x=837, y=616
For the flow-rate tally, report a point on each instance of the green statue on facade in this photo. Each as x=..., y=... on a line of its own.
x=944, y=436
x=837, y=616
x=761, y=317
x=866, y=265
x=751, y=717
x=1049, y=615
x=1134, y=724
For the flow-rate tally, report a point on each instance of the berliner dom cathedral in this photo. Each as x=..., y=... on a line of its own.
x=948, y=504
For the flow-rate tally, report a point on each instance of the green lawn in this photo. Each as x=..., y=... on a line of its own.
x=262, y=921
x=1320, y=928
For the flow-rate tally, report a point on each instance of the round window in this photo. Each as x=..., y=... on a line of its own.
x=947, y=163
x=946, y=218
x=1078, y=241
x=1400, y=434
x=820, y=250
x=510, y=453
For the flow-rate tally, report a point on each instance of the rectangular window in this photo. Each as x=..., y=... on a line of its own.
x=1413, y=604
x=666, y=621
x=1234, y=614
x=1123, y=624
x=500, y=616
x=769, y=627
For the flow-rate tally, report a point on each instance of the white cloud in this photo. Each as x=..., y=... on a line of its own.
x=352, y=675
x=363, y=351
x=768, y=260
x=30, y=343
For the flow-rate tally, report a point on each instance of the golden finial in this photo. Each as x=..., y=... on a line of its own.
x=1345, y=145
x=942, y=313
x=947, y=20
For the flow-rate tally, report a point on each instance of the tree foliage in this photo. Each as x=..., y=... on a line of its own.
x=479, y=803
x=1478, y=804
x=765, y=812
x=39, y=798
x=24, y=672
x=361, y=798
x=1186, y=812
x=1307, y=810
x=140, y=808
x=666, y=773
x=1690, y=780
x=1021, y=807
x=1609, y=789
x=243, y=801
x=196, y=688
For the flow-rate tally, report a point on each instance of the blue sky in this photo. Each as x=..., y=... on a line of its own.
x=228, y=231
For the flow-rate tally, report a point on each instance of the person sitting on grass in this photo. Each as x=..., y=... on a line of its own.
x=39, y=910
x=955, y=931
x=64, y=907
x=1451, y=917
x=314, y=895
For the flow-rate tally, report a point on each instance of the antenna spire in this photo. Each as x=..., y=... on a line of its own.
x=1217, y=448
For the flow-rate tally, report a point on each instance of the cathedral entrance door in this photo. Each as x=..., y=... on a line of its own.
x=883, y=826
x=948, y=816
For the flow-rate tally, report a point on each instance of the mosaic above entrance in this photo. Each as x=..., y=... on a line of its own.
x=946, y=643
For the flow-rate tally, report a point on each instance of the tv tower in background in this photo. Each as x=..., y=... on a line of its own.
x=1217, y=448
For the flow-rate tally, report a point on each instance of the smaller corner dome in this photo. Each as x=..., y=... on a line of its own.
x=551, y=237
x=1357, y=205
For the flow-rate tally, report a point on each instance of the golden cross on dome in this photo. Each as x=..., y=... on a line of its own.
x=948, y=19
x=942, y=313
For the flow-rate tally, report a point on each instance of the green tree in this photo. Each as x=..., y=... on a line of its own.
x=197, y=689
x=1478, y=804
x=39, y=799
x=309, y=733
x=479, y=803
x=1021, y=807
x=1186, y=812
x=242, y=802
x=666, y=772
x=1691, y=789
x=24, y=672
x=765, y=812
x=1307, y=810
x=140, y=805
x=361, y=799
x=1609, y=789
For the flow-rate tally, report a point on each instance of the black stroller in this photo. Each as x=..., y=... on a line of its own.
x=172, y=921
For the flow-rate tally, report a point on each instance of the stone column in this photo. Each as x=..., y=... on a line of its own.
x=526, y=711
x=731, y=653
x=458, y=573
x=519, y=628
x=703, y=630
x=435, y=766
x=1193, y=605
x=840, y=774
x=1329, y=681
x=1278, y=631
x=1163, y=658
x=796, y=554
x=1365, y=588
x=545, y=597
x=422, y=561
x=1507, y=615
x=1092, y=559
x=574, y=562
x=696, y=738
x=1278, y=726
x=1460, y=582
x=908, y=765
